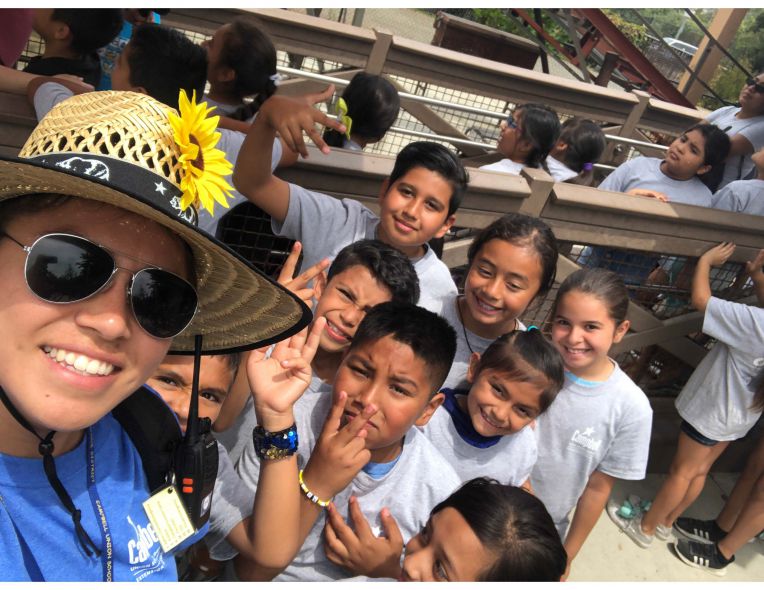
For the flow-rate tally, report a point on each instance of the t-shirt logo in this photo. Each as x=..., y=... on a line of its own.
x=145, y=553
x=585, y=439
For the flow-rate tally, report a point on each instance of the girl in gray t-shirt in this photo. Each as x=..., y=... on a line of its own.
x=486, y=431
x=598, y=428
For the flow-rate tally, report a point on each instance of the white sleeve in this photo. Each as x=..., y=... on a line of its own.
x=616, y=180
x=736, y=324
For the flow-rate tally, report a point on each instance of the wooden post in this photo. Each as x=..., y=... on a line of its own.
x=706, y=59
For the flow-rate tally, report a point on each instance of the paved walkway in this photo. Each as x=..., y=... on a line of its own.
x=609, y=555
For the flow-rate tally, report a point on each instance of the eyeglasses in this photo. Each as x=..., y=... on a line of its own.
x=511, y=123
x=63, y=268
x=756, y=86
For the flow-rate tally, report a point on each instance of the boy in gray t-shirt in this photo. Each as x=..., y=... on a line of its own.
x=367, y=447
x=744, y=196
x=417, y=202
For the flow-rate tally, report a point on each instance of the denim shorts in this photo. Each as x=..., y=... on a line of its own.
x=690, y=431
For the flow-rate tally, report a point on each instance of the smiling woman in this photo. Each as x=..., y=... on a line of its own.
x=98, y=285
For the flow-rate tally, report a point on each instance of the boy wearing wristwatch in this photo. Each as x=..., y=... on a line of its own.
x=367, y=450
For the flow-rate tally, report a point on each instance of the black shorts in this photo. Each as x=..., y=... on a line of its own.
x=690, y=431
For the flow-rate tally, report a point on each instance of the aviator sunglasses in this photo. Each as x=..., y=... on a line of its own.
x=63, y=268
x=756, y=86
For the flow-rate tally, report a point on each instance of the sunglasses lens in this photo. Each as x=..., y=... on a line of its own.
x=163, y=303
x=63, y=269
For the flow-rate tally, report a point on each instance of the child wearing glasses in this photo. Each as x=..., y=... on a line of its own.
x=527, y=136
x=745, y=127
x=103, y=273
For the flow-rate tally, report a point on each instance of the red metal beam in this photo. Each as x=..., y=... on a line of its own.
x=633, y=56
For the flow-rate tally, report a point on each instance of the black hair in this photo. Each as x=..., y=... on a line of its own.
x=91, y=28
x=715, y=152
x=251, y=55
x=233, y=360
x=586, y=143
x=603, y=284
x=164, y=61
x=522, y=231
x=526, y=357
x=429, y=336
x=515, y=526
x=540, y=126
x=373, y=104
x=388, y=265
x=436, y=158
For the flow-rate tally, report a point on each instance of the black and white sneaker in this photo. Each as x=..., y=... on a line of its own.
x=705, y=531
x=702, y=556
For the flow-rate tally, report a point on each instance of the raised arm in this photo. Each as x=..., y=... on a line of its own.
x=701, y=283
x=289, y=118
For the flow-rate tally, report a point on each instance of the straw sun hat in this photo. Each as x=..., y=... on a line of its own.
x=133, y=152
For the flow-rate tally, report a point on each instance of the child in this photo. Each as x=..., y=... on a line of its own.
x=483, y=532
x=158, y=61
x=364, y=274
x=708, y=545
x=74, y=347
x=483, y=430
x=71, y=37
x=744, y=196
x=512, y=262
x=745, y=126
x=715, y=404
x=367, y=449
x=526, y=138
x=417, y=202
x=677, y=177
x=371, y=107
x=598, y=428
x=241, y=63
x=133, y=18
x=579, y=147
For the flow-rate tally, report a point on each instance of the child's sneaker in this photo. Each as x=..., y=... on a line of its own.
x=631, y=526
x=663, y=532
x=705, y=531
x=702, y=556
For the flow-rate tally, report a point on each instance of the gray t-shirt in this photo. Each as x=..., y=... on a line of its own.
x=646, y=173
x=467, y=342
x=717, y=398
x=509, y=461
x=325, y=225
x=230, y=143
x=419, y=480
x=741, y=196
x=559, y=171
x=738, y=167
x=231, y=503
x=602, y=426
x=49, y=95
x=506, y=166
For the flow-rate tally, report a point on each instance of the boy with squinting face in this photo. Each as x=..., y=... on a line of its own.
x=367, y=453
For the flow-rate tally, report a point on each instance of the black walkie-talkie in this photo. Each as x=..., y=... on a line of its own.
x=196, y=460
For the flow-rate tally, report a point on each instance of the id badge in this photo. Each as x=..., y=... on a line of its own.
x=168, y=517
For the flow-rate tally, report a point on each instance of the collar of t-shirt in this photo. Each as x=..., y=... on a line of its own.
x=463, y=423
x=379, y=470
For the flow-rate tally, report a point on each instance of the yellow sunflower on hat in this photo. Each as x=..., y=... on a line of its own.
x=204, y=166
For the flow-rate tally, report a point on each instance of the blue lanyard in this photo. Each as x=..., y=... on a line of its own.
x=107, y=552
x=107, y=555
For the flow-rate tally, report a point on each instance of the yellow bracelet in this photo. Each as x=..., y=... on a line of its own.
x=310, y=495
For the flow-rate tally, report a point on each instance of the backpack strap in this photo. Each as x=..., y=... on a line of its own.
x=154, y=430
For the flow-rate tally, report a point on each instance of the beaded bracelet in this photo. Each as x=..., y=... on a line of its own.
x=310, y=495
